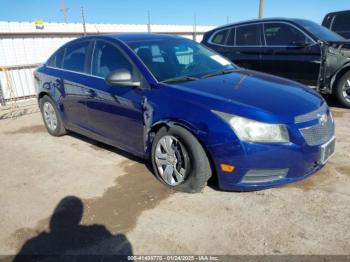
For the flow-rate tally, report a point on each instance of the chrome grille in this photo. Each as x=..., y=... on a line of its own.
x=320, y=133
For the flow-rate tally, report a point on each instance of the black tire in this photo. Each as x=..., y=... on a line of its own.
x=339, y=90
x=60, y=129
x=199, y=166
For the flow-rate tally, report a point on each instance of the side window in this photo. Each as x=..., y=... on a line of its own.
x=56, y=59
x=341, y=22
x=247, y=35
x=231, y=37
x=220, y=37
x=280, y=34
x=74, y=58
x=184, y=55
x=107, y=58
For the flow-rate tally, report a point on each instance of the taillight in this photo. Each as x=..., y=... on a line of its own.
x=35, y=75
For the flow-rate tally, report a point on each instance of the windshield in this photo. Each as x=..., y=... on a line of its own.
x=319, y=31
x=179, y=59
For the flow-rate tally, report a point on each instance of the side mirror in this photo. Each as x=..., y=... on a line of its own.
x=121, y=77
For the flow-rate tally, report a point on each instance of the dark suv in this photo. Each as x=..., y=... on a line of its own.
x=338, y=22
x=293, y=48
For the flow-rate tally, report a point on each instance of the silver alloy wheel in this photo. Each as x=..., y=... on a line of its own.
x=50, y=116
x=346, y=90
x=172, y=160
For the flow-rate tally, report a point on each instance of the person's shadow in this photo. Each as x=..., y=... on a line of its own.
x=67, y=237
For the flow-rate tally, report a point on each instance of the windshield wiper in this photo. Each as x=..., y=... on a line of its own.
x=180, y=79
x=220, y=72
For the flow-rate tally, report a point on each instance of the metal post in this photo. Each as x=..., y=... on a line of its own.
x=195, y=27
x=2, y=99
x=261, y=8
x=149, y=21
x=64, y=11
x=83, y=17
x=227, y=19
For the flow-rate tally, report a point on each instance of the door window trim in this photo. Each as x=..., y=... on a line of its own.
x=262, y=31
x=210, y=40
x=235, y=28
x=259, y=32
x=126, y=56
x=287, y=23
x=64, y=54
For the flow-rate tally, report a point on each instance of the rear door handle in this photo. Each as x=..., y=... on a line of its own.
x=91, y=93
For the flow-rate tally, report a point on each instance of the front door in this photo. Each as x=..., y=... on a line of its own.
x=290, y=53
x=115, y=113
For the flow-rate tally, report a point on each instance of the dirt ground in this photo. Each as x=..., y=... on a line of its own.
x=125, y=209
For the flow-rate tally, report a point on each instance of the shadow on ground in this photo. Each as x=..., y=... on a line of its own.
x=66, y=236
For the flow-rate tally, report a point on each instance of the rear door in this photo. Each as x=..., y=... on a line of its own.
x=243, y=46
x=72, y=82
x=290, y=53
x=240, y=44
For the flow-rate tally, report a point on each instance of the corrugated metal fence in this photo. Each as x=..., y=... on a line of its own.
x=23, y=46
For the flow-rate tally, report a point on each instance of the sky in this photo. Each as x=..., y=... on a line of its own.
x=208, y=12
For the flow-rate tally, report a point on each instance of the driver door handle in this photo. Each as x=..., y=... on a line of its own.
x=91, y=93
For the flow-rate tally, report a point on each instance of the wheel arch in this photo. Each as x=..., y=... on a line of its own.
x=58, y=106
x=42, y=94
x=190, y=128
x=338, y=75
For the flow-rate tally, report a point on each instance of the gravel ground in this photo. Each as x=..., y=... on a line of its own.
x=125, y=209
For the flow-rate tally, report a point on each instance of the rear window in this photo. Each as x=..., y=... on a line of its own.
x=220, y=37
x=341, y=22
x=74, y=58
x=56, y=59
x=247, y=35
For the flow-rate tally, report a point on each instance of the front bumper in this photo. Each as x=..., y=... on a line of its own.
x=297, y=161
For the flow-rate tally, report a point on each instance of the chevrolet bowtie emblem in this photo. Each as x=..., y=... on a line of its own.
x=323, y=119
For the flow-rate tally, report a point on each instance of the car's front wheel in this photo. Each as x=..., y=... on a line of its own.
x=51, y=117
x=342, y=91
x=179, y=160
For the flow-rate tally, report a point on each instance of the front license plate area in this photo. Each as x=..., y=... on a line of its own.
x=327, y=150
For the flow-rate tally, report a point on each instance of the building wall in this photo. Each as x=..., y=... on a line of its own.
x=25, y=45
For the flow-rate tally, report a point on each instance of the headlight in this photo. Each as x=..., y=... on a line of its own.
x=254, y=131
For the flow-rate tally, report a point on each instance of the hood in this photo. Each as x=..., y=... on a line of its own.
x=256, y=95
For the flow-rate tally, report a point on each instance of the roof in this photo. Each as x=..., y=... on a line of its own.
x=141, y=37
x=338, y=12
x=273, y=19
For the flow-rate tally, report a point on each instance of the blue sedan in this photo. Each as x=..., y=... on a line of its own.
x=189, y=110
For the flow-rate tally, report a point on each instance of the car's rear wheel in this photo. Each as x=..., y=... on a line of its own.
x=51, y=117
x=179, y=160
x=342, y=91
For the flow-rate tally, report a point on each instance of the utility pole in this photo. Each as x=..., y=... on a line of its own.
x=83, y=17
x=64, y=11
x=149, y=21
x=261, y=8
x=227, y=19
x=195, y=27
